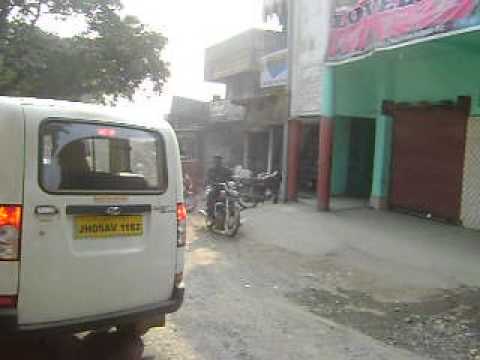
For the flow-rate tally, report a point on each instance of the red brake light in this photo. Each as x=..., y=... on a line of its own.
x=181, y=225
x=107, y=132
x=8, y=302
x=181, y=212
x=11, y=215
x=10, y=230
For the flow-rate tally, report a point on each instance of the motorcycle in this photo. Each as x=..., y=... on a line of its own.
x=259, y=189
x=226, y=212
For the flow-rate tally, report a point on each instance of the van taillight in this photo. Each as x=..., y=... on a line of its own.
x=10, y=232
x=181, y=225
x=8, y=302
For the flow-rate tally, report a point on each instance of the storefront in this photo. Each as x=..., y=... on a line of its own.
x=309, y=155
x=421, y=89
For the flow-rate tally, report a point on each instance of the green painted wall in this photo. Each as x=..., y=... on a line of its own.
x=383, y=155
x=328, y=92
x=355, y=89
x=432, y=71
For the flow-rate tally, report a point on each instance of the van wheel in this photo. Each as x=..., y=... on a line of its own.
x=136, y=329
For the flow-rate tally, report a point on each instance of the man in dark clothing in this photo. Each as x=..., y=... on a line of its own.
x=216, y=175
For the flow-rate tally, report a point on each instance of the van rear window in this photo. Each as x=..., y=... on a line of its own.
x=90, y=157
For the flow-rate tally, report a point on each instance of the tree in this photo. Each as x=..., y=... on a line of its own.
x=110, y=60
x=29, y=11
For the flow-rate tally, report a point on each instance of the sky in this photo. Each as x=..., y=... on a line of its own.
x=191, y=26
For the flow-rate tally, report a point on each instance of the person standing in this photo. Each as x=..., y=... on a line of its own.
x=216, y=175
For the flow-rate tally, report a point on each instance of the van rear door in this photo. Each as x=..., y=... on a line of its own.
x=99, y=232
x=11, y=192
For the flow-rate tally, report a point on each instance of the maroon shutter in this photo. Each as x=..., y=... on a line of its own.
x=428, y=156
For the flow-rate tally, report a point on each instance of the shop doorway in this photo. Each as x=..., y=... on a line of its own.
x=258, y=151
x=361, y=158
x=277, y=148
x=309, y=159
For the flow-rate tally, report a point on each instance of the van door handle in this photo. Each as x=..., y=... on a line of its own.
x=46, y=210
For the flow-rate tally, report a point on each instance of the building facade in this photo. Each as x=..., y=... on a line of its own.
x=189, y=118
x=396, y=102
x=253, y=66
x=205, y=129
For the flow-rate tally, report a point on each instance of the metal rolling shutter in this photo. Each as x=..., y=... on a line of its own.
x=428, y=157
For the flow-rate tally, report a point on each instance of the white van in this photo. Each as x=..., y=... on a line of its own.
x=92, y=220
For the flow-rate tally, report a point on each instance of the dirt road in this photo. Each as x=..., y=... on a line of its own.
x=238, y=307
x=249, y=300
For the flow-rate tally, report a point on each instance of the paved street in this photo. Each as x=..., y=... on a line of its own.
x=280, y=292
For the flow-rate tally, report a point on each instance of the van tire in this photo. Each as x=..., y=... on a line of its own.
x=141, y=327
x=136, y=329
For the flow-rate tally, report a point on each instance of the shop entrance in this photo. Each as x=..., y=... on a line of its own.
x=361, y=157
x=258, y=151
x=309, y=159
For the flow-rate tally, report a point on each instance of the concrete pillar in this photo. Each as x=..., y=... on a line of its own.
x=284, y=186
x=246, y=149
x=385, y=78
x=326, y=140
x=271, y=147
x=324, y=163
x=295, y=134
x=382, y=162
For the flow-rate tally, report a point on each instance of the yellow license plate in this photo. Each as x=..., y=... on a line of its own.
x=108, y=226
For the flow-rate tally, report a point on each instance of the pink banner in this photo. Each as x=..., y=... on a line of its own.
x=381, y=23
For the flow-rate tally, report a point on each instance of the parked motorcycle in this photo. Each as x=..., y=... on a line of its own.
x=226, y=212
x=259, y=189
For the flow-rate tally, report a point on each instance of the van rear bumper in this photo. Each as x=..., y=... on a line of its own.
x=9, y=322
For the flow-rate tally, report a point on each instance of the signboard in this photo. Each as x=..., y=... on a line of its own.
x=225, y=111
x=361, y=28
x=309, y=43
x=274, y=69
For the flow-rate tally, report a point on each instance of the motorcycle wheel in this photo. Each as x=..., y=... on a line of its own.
x=247, y=202
x=232, y=228
x=209, y=223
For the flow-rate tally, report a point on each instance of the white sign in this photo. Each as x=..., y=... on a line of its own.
x=309, y=47
x=274, y=69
